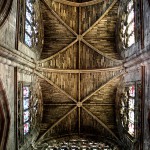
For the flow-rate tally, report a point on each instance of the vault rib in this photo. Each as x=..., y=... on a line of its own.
x=61, y=51
x=98, y=51
x=109, y=8
x=79, y=71
x=100, y=122
x=50, y=82
x=87, y=97
x=56, y=123
x=58, y=17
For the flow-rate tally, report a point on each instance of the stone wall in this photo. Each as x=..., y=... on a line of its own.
x=7, y=77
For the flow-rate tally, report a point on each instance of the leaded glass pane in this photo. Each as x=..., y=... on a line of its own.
x=26, y=91
x=28, y=40
x=28, y=28
x=131, y=115
x=131, y=128
x=26, y=115
x=29, y=16
x=26, y=103
x=131, y=40
x=130, y=5
x=132, y=91
x=29, y=5
x=130, y=16
x=26, y=127
x=131, y=103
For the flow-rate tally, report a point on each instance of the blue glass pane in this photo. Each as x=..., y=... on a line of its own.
x=25, y=103
x=26, y=127
x=29, y=16
x=28, y=28
x=26, y=115
x=26, y=91
x=29, y=5
x=28, y=40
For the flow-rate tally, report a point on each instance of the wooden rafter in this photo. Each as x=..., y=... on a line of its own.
x=99, y=121
x=79, y=70
x=104, y=14
x=75, y=4
x=61, y=51
x=56, y=123
x=50, y=82
x=58, y=104
x=102, y=86
x=101, y=53
x=79, y=120
x=58, y=17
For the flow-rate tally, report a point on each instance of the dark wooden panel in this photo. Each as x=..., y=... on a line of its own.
x=66, y=81
x=90, y=59
x=92, y=81
x=67, y=13
x=106, y=95
x=91, y=14
x=102, y=36
x=64, y=60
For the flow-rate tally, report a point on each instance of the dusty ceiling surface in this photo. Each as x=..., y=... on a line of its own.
x=79, y=68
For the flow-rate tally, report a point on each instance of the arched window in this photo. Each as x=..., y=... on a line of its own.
x=27, y=109
x=28, y=23
x=127, y=25
x=129, y=109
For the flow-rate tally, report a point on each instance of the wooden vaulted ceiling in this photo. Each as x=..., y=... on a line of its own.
x=79, y=68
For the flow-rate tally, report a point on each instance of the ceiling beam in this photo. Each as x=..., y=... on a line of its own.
x=104, y=14
x=56, y=86
x=101, y=53
x=56, y=123
x=79, y=70
x=100, y=122
x=61, y=51
x=99, y=104
x=102, y=86
x=58, y=17
x=76, y=4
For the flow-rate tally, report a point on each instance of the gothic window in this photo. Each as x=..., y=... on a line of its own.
x=26, y=111
x=28, y=23
x=129, y=108
x=128, y=35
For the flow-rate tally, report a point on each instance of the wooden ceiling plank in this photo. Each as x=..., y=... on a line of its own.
x=87, y=97
x=104, y=14
x=56, y=123
x=98, y=51
x=79, y=70
x=61, y=51
x=50, y=82
x=58, y=17
x=99, y=121
x=76, y=4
